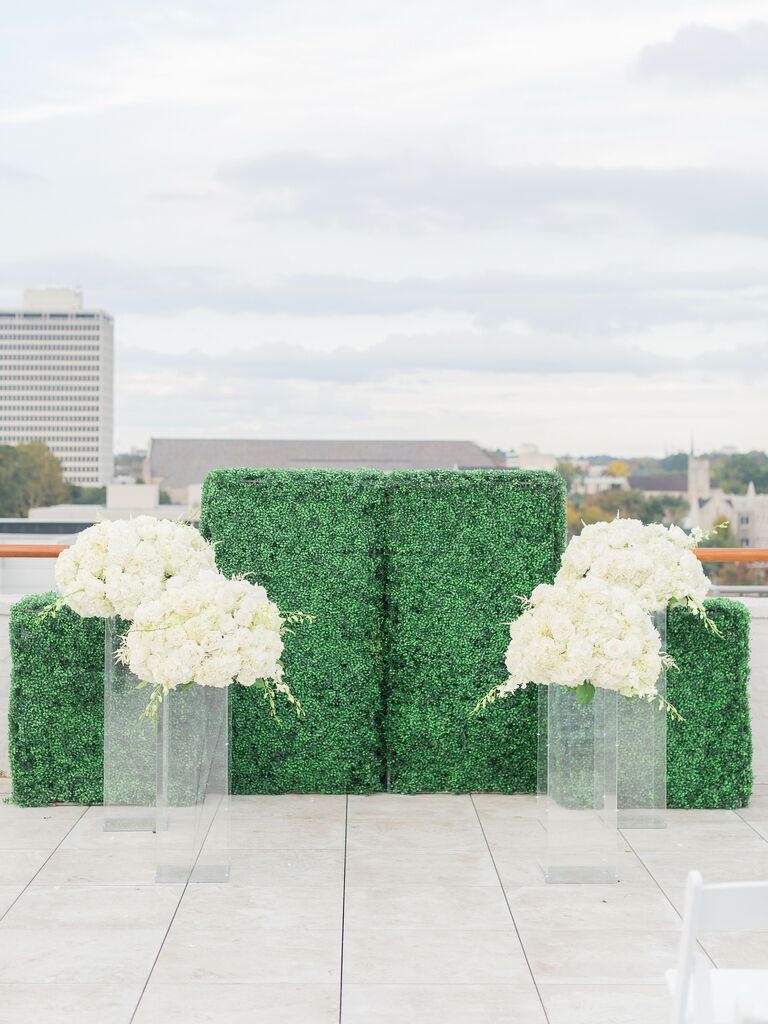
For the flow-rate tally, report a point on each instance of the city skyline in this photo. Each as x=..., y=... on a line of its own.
x=530, y=225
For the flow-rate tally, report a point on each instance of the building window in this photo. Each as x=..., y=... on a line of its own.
x=745, y=542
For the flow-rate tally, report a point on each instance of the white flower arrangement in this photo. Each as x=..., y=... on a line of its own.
x=655, y=563
x=584, y=634
x=114, y=566
x=211, y=631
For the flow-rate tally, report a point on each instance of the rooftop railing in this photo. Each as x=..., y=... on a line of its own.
x=703, y=554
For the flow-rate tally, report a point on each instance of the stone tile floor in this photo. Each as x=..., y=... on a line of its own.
x=366, y=910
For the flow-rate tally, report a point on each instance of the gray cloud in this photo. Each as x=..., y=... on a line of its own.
x=10, y=173
x=703, y=53
x=479, y=352
x=414, y=193
x=581, y=304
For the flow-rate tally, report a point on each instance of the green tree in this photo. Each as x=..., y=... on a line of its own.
x=45, y=483
x=13, y=493
x=569, y=471
x=30, y=475
x=733, y=473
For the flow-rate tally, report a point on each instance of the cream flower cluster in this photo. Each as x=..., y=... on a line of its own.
x=114, y=566
x=211, y=631
x=579, y=631
x=656, y=563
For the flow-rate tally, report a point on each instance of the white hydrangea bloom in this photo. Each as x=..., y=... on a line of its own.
x=113, y=566
x=211, y=631
x=581, y=631
x=657, y=563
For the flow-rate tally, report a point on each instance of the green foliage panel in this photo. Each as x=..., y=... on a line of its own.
x=314, y=539
x=55, y=721
x=709, y=755
x=462, y=546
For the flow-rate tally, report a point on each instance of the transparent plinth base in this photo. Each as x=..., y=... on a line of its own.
x=577, y=785
x=642, y=758
x=129, y=746
x=192, y=836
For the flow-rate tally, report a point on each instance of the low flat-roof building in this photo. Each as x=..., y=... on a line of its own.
x=175, y=464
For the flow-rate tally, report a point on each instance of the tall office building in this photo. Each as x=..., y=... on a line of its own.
x=56, y=381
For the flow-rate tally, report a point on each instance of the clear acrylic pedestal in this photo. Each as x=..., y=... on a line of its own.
x=129, y=745
x=577, y=785
x=193, y=786
x=642, y=731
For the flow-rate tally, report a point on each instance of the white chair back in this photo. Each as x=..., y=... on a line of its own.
x=720, y=907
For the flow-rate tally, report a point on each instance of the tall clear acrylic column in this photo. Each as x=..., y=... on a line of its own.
x=642, y=730
x=192, y=841
x=577, y=785
x=129, y=745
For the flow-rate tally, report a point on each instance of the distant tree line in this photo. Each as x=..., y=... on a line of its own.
x=31, y=475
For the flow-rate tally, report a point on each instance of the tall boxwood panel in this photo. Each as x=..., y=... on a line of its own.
x=462, y=546
x=55, y=720
x=314, y=538
x=709, y=755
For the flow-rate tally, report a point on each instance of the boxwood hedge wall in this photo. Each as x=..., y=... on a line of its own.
x=411, y=577
x=315, y=540
x=462, y=545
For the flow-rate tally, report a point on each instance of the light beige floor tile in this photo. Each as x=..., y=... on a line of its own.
x=501, y=805
x=524, y=868
x=515, y=834
x=279, y=868
x=289, y=807
x=17, y=867
x=758, y=825
x=412, y=956
x=592, y=906
x=442, y=1004
x=223, y=1003
x=288, y=907
x=116, y=866
x=597, y=957
x=66, y=1003
x=51, y=812
x=9, y=893
x=116, y=956
x=745, y=950
x=716, y=864
x=606, y=1004
x=94, y=906
x=426, y=906
x=429, y=834
x=442, y=807
x=15, y=835
x=692, y=816
x=242, y=832
x=736, y=834
x=249, y=955
x=419, y=867
x=89, y=834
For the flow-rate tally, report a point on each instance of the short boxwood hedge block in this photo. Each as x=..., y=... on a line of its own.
x=315, y=540
x=55, y=719
x=462, y=545
x=709, y=755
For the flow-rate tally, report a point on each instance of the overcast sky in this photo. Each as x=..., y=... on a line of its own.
x=513, y=221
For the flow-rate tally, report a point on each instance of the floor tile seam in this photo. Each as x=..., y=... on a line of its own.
x=47, y=859
x=343, y=910
x=663, y=892
x=753, y=829
x=512, y=917
x=167, y=931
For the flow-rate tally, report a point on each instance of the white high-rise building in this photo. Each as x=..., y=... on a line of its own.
x=56, y=381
